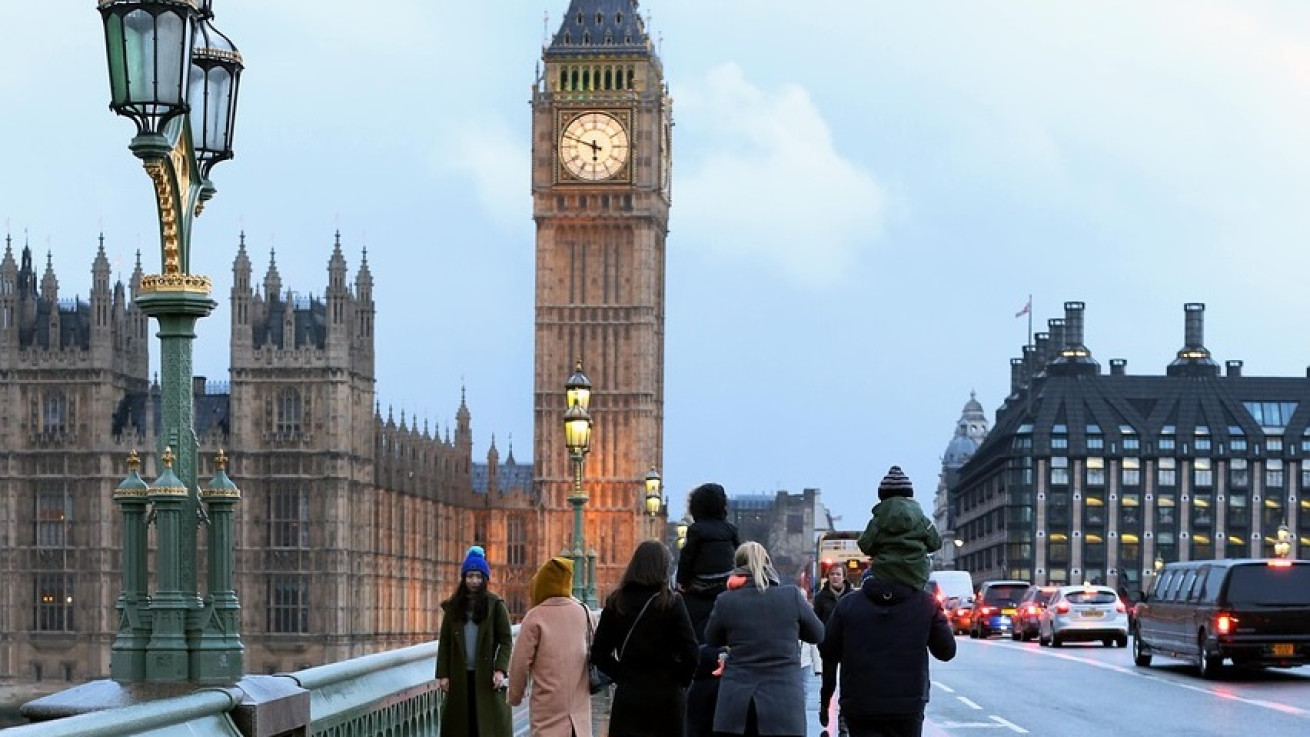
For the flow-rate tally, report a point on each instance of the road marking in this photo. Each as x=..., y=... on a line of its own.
x=1010, y=724
x=1135, y=671
x=969, y=725
x=969, y=703
x=943, y=687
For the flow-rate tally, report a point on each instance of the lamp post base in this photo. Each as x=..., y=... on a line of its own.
x=577, y=551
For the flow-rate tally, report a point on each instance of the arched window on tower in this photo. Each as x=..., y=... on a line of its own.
x=289, y=413
x=54, y=412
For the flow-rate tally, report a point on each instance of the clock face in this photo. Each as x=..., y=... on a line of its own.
x=594, y=147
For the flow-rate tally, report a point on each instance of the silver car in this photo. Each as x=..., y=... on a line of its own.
x=1084, y=614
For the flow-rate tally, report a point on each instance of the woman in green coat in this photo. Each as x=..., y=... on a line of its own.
x=473, y=656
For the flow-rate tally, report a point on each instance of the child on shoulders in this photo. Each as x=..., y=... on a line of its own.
x=899, y=536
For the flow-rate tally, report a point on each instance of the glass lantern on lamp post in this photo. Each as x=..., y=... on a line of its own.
x=176, y=77
x=577, y=438
x=654, y=502
x=1283, y=542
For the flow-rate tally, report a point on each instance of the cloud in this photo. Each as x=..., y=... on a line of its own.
x=490, y=155
x=765, y=181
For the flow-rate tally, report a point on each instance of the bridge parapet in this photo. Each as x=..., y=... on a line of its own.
x=204, y=712
x=392, y=692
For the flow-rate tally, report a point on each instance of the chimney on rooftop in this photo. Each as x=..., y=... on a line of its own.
x=1059, y=334
x=1017, y=378
x=1073, y=358
x=1073, y=330
x=1030, y=364
x=1193, y=359
x=1044, y=353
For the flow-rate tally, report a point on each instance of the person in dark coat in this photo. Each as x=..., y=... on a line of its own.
x=473, y=652
x=881, y=637
x=762, y=689
x=704, y=564
x=706, y=558
x=825, y=602
x=835, y=586
x=644, y=641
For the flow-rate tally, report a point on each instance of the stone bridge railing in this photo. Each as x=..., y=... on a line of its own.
x=389, y=693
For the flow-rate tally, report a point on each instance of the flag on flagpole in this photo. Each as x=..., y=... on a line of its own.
x=1026, y=309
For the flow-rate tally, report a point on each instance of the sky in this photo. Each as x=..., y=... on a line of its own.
x=864, y=196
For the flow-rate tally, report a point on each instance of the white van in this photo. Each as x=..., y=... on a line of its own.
x=958, y=584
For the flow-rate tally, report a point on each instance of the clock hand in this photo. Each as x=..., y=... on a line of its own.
x=595, y=147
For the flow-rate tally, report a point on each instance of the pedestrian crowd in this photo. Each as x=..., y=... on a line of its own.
x=712, y=652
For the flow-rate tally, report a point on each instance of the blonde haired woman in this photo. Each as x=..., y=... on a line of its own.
x=762, y=690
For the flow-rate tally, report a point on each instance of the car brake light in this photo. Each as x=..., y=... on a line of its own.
x=985, y=611
x=1279, y=563
x=1062, y=607
x=1224, y=623
x=1119, y=607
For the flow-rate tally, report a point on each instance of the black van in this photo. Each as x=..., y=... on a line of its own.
x=1253, y=611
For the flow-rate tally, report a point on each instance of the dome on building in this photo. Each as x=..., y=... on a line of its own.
x=969, y=433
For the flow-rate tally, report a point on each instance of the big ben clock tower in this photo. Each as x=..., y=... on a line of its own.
x=601, y=165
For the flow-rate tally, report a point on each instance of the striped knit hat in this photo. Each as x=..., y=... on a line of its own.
x=895, y=483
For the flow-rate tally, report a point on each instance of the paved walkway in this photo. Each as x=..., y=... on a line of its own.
x=17, y=695
x=600, y=710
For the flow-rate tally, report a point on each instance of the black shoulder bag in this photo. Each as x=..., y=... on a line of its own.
x=597, y=680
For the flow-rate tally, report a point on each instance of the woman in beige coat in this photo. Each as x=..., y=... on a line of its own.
x=551, y=650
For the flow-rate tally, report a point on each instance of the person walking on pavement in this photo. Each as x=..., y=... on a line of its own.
x=834, y=588
x=645, y=643
x=473, y=652
x=762, y=690
x=880, y=638
x=551, y=652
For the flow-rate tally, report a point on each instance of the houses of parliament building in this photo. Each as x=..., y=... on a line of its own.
x=352, y=522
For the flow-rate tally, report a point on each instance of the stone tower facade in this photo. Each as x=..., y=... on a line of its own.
x=601, y=175
x=352, y=523
x=74, y=379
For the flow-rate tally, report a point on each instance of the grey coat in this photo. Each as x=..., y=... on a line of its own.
x=764, y=664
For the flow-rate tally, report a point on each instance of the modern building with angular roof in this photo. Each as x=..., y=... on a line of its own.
x=1096, y=476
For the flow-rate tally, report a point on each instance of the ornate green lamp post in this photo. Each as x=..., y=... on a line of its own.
x=174, y=75
x=577, y=438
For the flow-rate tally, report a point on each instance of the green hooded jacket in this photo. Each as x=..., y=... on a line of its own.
x=898, y=539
